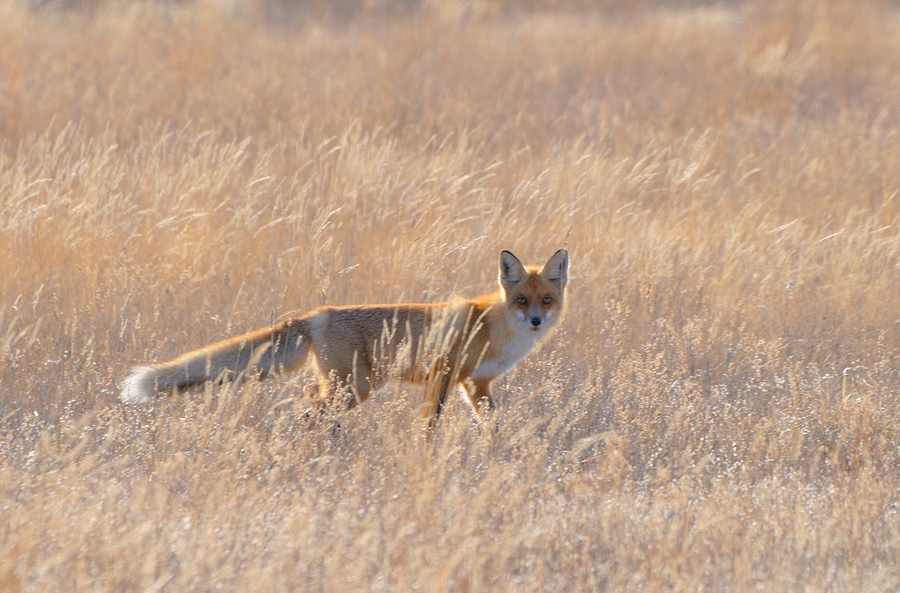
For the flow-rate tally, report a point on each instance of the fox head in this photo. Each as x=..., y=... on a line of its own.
x=534, y=296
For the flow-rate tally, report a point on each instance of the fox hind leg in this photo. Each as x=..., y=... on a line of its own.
x=359, y=386
x=341, y=393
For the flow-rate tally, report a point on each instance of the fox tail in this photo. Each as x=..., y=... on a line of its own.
x=272, y=349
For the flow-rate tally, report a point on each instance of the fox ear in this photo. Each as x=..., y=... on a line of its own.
x=511, y=270
x=556, y=270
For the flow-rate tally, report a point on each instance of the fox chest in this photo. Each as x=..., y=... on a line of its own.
x=510, y=354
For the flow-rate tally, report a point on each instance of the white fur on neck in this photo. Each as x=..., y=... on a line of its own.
x=511, y=354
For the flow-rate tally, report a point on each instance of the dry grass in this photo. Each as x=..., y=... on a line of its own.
x=719, y=411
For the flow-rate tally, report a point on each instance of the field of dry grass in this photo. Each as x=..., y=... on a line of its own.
x=718, y=412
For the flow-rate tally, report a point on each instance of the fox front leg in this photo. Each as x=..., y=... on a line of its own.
x=438, y=383
x=478, y=393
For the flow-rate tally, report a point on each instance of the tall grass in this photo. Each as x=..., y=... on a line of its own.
x=719, y=410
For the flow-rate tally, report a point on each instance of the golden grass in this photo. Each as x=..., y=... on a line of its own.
x=719, y=411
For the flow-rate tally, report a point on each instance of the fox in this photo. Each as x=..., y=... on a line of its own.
x=462, y=343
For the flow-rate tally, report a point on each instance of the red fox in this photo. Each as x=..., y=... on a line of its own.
x=463, y=342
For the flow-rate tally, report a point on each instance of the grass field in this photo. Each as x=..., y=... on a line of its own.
x=719, y=410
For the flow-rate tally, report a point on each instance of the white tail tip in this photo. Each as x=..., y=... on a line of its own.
x=139, y=387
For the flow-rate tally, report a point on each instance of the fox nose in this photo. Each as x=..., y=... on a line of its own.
x=536, y=321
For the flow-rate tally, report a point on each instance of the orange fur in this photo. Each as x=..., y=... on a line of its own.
x=463, y=342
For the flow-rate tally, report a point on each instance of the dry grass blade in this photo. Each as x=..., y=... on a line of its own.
x=718, y=412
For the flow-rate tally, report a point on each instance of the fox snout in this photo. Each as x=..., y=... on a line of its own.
x=532, y=321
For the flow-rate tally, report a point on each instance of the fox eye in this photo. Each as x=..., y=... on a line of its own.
x=547, y=300
x=522, y=301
